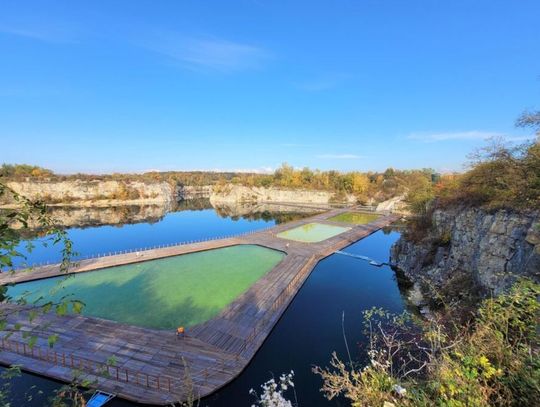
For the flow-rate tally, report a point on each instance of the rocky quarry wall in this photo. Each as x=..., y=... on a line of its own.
x=493, y=248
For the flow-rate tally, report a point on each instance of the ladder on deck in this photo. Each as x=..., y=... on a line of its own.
x=99, y=399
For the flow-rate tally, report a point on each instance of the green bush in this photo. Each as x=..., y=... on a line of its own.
x=493, y=361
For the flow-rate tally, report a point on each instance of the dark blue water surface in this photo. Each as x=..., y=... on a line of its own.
x=311, y=328
x=309, y=331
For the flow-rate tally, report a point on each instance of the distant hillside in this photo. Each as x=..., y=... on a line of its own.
x=365, y=187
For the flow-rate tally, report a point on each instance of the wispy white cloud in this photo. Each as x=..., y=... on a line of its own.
x=339, y=156
x=208, y=53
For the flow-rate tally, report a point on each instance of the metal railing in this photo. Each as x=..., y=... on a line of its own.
x=105, y=370
x=147, y=248
x=283, y=297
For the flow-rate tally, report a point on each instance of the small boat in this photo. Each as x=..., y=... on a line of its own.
x=99, y=398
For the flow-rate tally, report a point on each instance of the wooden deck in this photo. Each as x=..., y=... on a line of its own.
x=151, y=364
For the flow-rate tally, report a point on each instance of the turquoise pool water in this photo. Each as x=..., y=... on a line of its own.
x=312, y=232
x=166, y=293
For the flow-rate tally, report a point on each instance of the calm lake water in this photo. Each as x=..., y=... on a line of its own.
x=101, y=230
x=306, y=335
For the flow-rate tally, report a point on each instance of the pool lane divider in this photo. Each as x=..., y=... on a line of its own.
x=151, y=364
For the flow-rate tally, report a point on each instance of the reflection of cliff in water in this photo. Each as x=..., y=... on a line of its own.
x=264, y=211
x=196, y=204
x=83, y=217
x=65, y=217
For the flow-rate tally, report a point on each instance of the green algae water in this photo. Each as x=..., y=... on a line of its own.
x=183, y=290
x=312, y=232
x=356, y=218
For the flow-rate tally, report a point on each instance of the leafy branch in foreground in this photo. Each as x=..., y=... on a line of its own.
x=14, y=221
x=494, y=361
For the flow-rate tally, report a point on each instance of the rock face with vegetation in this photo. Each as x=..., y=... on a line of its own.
x=94, y=192
x=492, y=249
x=477, y=232
x=193, y=191
x=240, y=193
x=286, y=184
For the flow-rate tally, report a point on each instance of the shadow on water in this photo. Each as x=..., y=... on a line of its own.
x=310, y=330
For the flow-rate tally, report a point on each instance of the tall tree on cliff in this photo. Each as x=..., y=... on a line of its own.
x=530, y=119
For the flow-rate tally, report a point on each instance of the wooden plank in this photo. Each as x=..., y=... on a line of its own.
x=151, y=363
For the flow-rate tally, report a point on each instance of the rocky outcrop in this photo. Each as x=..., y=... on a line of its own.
x=493, y=249
x=193, y=192
x=395, y=204
x=240, y=193
x=95, y=192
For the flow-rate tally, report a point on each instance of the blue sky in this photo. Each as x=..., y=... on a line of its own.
x=105, y=86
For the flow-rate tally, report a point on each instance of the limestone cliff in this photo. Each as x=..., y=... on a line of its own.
x=95, y=192
x=240, y=193
x=492, y=249
x=193, y=192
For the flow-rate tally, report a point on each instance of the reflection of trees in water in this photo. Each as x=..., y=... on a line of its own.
x=266, y=212
x=253, y=212
x=278, y=217
x=196, y=204
x=86, y=217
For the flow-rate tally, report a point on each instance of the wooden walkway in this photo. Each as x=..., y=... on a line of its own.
x=154, y=366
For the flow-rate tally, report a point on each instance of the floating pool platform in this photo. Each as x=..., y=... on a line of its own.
x=312, y=232
x=151, y=358
x=165, y=293
x=355, y=218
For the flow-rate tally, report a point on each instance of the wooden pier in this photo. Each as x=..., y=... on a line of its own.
x=155, y=366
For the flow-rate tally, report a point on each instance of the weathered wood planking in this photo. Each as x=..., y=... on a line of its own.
x=151, y=364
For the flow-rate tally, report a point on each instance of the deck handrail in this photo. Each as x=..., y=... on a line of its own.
x=145, y=249
x=102, y=369
x=281, y=298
